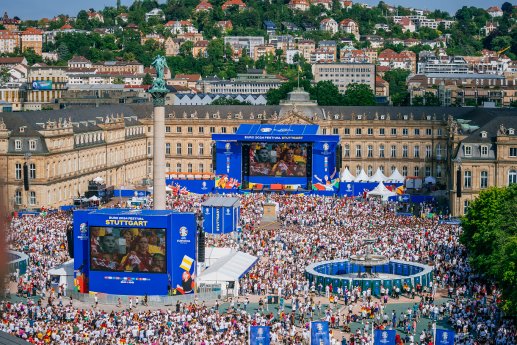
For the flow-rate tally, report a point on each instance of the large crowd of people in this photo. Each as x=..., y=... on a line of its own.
x=309, y=228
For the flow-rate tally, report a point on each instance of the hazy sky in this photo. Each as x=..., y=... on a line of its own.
x=36, y=9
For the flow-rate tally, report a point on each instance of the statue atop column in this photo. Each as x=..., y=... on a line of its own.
x=158, y=89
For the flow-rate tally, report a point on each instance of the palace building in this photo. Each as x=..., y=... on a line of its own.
x=64, y=149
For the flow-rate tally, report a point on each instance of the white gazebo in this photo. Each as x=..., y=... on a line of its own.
x=378, y=176
x=381, y=191
x=347, y=176
x=362, y=177
x=396, y=177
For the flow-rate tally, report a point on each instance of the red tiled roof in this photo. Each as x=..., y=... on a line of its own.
x=32, y=31
x=231, y=3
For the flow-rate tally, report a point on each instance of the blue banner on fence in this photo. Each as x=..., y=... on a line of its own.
x=444, y=337
x=320, y=333
x=384, y=337
x=259, y=335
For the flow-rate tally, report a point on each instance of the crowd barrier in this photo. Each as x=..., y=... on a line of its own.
x=331, y=273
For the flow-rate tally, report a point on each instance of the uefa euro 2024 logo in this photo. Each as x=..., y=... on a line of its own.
x=384, y=339
x=183, y=231
x=445, y=338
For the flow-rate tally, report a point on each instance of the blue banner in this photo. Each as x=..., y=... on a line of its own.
x=320, y=333
x=259, y=335
x=384, y=337
x=444, y=337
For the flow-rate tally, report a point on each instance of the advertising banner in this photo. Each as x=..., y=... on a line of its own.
x=260, y=335
x=444, y=337
x=320, y=333
x=42, y=85
x=384, y=337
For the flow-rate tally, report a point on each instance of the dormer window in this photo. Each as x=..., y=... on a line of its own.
x=483, y=134
x=468, y=150
x=511, y=131
x=428, y=117
x=359, y=117
x=405, y=117
x=18, y=145
x=382, y=117
x=22, y=129
x=484, y=150
x=32, y=145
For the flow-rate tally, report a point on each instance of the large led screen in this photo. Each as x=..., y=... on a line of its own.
x=127, y=250
x=278, y=159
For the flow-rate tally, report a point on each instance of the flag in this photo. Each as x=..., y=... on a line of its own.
x=444, y=337
x=186, y=263
x=320, y=333
x=384, y=337
x=259, y=335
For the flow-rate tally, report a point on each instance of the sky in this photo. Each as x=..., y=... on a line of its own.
x=37, y=9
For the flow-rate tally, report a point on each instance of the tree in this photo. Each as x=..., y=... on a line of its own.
x=326, y=93
x=5, y=76
x=359, y=94
x=490, y=236
x=228, y=101
x=507, y=8
x=62, y=52
x=398, y=88
x=147, y=80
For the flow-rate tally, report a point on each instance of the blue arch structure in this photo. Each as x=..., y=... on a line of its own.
x=331, y=272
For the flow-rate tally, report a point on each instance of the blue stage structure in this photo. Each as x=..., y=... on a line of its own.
x=277, y=158
x=134, y=252
x=342, y=273
x=220, y=215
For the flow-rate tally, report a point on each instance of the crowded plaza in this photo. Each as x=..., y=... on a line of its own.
x=309, y=229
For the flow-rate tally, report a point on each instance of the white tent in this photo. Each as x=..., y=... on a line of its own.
x=382, y=191
x=228, y=269
x=362, y=177
x=396, y=177
x=212, y=254
x=98, y=179
x=63, y=274
x=430, y=179
x=94, y=198
x=378, y=176
x=347, y=176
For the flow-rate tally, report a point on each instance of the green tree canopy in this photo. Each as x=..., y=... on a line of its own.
x=490, y=236
x=359, y=94
x=398, y=88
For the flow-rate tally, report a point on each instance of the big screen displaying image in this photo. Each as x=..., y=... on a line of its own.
x=278, y=159
x=127, y=250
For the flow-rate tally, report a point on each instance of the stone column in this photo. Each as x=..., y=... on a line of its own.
x=158, y=149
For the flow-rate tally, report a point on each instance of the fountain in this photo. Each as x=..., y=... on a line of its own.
x=368, y=260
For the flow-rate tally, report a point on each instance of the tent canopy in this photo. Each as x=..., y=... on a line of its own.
x=382, y=191
x=94, y=198
x=430, y=179
x=347, y=176
x=396, y=177
x=229, y=268
x=378, y=176
x=362, y=177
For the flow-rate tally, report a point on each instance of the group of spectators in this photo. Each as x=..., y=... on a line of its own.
x=309, y=228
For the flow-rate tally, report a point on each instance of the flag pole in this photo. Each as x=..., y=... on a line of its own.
x=434, y=333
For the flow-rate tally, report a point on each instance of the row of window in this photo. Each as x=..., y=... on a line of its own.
x=483, y=149
x=382, y=131
x=483, y=178
x=190, y=149
x=18, y=197
x=18, y=171
x=393, y=151
x=405, y=170
x=18, y=145
x=200, y=129
x=190, y=167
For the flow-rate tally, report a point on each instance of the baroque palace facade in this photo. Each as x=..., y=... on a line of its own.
x=64, y=149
